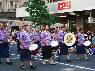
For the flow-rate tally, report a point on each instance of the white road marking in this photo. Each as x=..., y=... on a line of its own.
x=36, y=58
x=61, y=63
x=80, y=67
x=69, y=69
x=71, y=65
x=12, y=54
x=14, y=58
x=67, y=64
x=40, y=59
x=56, y=62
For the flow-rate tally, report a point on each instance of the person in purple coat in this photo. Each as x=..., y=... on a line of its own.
x=63, y=48
x=25, y=54
x=45, y=43
x=4, y=44
x=37, y=37
x=80, y=48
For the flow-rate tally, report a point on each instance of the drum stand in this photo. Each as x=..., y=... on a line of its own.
x=54, y=53
x=89, y=51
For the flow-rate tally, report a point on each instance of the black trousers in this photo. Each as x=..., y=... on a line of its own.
x=25, y=55
x=63, y=49
x=46, y=52
x=4, y=50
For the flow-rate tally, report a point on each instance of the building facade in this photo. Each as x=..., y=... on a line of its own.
x=73, y=14
x=8, y=8
x=10, y=5
x=49, y=1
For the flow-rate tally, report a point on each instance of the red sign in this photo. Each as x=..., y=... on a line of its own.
x=64, y=5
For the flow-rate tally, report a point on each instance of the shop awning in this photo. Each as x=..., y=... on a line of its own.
x=62, y=6
x=71, y=5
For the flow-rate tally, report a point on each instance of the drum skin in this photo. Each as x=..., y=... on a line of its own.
x=87, y=43
x=54, y=43
x=69, y=39
x=34, y=49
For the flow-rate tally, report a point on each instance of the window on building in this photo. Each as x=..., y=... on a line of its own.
x=54, y=0
x=0, y=6
x=15, y=6
x=11, y=4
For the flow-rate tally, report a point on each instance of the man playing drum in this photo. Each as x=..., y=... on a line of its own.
x=63, y=49
x=25, y=54
x=4, y=44
x=45, y=43
x=80, y=48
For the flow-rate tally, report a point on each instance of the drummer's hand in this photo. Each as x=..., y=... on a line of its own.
x=21, y=43
x=0, y=42
x=44, y=42
x=32, y=42
x=9, y=40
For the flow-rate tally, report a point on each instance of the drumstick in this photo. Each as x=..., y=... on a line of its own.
x=43, y=41
x=21, y=43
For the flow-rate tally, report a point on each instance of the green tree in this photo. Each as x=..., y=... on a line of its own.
x=39, y=13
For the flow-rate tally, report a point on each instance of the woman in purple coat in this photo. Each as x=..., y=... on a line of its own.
x=25, y=54
x=45, y=43
x=37, y=37
x=80, y=48
x=63, y=48
x=4, y=44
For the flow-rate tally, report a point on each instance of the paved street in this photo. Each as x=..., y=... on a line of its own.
x=57, y=23
x=76, y=65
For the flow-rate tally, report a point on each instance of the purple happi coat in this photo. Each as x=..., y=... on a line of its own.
x=25, y=38
x=36, y=36
x=60, y=36
x=45, y=38
x=81, y=38
x=4, y=35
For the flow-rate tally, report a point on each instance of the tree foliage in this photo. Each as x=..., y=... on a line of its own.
x=39, y=13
